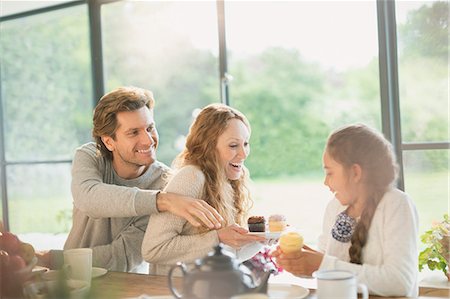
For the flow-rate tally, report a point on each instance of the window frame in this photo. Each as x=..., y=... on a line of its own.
x=388, y=79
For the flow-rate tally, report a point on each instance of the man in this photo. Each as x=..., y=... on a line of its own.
x=116, y=184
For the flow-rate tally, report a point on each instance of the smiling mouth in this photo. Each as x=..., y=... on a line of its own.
x=236, y=166
x=144, y=151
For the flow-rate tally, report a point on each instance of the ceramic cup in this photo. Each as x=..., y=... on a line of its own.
x=339, y=284
x=78, y=264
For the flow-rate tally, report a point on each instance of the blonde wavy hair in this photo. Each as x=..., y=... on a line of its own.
x=359, y=144
x=231, y=198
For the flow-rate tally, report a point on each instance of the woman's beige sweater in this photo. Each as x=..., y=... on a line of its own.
x=170, y=239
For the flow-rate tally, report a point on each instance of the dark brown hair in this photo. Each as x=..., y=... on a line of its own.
x=359, y=144
x=105, y=113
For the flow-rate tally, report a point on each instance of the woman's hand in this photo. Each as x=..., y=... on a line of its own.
x=236, y=236
x=300, y=263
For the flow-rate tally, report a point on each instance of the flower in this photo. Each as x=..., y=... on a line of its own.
x=262, y=262
x=437, y=254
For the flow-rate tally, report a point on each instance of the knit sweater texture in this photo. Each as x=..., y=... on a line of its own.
x=170, y=239
x=390, y=256
x=110, y=214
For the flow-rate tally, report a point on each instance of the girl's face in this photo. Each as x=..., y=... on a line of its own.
x=233, y=148
x=337, y=179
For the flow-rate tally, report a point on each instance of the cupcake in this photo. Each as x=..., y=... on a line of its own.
x=277, y=223
x=291, y=242
x=256, y=224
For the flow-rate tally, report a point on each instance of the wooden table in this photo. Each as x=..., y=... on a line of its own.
x=124, y=285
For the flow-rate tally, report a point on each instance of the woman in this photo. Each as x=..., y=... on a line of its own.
x=210, y=167
x=370, y=227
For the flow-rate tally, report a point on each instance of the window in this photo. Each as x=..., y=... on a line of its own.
x=159, y=46
x=300, y=69
x=422, y=29
x=47, y=111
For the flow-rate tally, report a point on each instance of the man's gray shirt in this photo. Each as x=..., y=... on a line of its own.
x=110, y=214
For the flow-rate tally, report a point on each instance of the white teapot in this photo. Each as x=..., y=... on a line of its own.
x=218, y=275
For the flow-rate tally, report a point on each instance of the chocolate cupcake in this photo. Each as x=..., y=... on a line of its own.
x=256, y=224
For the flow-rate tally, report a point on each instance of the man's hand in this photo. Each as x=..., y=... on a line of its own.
x=300, y=263
x=196, y=211
x=236, y=236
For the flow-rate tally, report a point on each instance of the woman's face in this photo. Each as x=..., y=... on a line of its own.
x=233, y=148
x=337, y=180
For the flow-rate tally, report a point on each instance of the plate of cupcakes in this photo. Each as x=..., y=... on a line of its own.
x=272, y=229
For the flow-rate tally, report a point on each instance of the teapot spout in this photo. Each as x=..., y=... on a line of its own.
x=264, y=282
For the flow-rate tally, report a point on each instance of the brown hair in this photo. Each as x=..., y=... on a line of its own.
x=105, y=113
x=200, y=150
x=359, y=144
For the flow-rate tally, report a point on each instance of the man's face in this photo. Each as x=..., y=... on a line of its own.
x=135, y=143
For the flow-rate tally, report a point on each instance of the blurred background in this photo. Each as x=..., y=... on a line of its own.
x=297, y=69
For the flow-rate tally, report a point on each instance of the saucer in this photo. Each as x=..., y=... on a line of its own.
x=97, y=272
x=287, y=290
x=53, y=274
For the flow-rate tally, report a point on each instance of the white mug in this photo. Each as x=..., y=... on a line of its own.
x=339, y=284
x=78, y=264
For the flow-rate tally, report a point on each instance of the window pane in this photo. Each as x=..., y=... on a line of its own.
x=46, y=84
x=10, y=7
x=161, y=47
x=426, y=181
x=301, y=69
x=39, y=200
x=423, y=69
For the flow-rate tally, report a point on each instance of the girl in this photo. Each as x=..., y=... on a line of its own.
x=210, y=167
x=370, y=228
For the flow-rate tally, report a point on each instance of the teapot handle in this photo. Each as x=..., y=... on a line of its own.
x=171, y=287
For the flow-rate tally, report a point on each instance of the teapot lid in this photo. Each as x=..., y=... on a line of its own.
x=218, y=260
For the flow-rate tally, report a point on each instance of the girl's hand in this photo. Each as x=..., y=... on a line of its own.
x=300, y=263
x=236, y=236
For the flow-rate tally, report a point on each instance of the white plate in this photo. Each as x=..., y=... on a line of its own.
x=286, y=290
x=53, y=274
x=97, y=272
x=268, y=235
x=39, y=269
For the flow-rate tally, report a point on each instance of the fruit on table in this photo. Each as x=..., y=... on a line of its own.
x=4, y=259
x=27, y=252
x=9, y=242
x=15, y=264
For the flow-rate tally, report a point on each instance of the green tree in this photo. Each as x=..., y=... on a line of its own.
x=423, y=68
x=158, y=58
x=425, y=32
x=277, y=91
